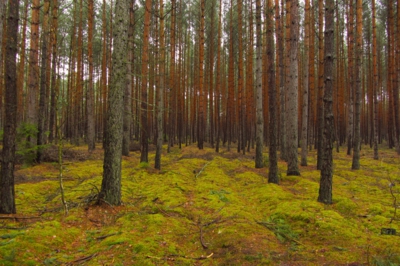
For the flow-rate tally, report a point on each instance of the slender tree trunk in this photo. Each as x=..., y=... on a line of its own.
x=54, y=80
x=320, y=102
x=33, y=68
x=304, y=120
x=282, y=66
x=43, y=84
x=350, y=55
x=218, y=89
x=128, y=89
x=357, y=117
x=144, y=144
x=21, y=65
x=273, y=176
x=325, y=187
x=111, y=183
x=7, y=191
x=78, y=119
x=202, y=124
x=292, y=92
x=375, y=80
x=240, y=77
x=160, y=91
x=91, y=136
x=395, y=78
x=311, y=82
x=259, y=160
x=171, y=75
x=230, y=112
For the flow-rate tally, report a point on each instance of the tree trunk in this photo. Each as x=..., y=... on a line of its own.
x=325, y=187
x=21, y=64
x=240, y=78
x=91, y=136
x=7, y=191
x=103, y=80
x=128, y=88
x=292, y=92
x=160, y=91
x=304, y=119
x=111, y=183
x=259, y=160
x=282, y=107
x=144, y=144
x=357, y=117
x=311, y=82
x=320, y=102
x=33, y=68
x=273, y=176
x=54, y=80
x=202, y=124
x=43, y=84
x=350, y=55
x=218, y=89
x=375, y=80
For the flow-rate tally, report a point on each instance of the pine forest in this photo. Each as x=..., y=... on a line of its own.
x=199, y=132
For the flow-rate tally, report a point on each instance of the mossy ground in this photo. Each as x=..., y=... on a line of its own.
x=205, y=208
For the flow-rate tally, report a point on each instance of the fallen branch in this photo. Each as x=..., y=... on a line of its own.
x=201, y=226
x=202, y=169
x=105, y=236
x=13, y=228
x=19, y=218
x=173, y=256
x=272, y=227
x=82, y=259
x=201, y=239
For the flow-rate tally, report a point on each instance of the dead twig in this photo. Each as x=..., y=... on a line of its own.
x=82, y=259
x=173, y=256
x=19, y=218
x=105, y=236
x=202, y=169
x=201, y=226
x=201, y=239
x=273, y=227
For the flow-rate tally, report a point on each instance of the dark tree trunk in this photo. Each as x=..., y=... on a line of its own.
x=325, y=187
x=43, y=84
x=111, y=183
x=357, y=109
x=292, y=92
x=91, y=136
x=273, y=176
x=7, y=192
x=160, y=92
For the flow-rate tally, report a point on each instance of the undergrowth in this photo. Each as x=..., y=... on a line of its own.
x=205, y=208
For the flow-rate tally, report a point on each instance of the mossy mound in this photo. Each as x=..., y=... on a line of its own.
x=204, y=208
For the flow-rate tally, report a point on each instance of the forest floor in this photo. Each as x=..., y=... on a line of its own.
x=204, y=208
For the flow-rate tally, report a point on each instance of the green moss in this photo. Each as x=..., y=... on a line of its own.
x=220, y=197
x=375, y=209
x=346, y=206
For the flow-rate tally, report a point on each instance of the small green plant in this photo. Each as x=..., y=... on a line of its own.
x=26, y=148
x=282, y=230
x=221, y=194
x=144, y=165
